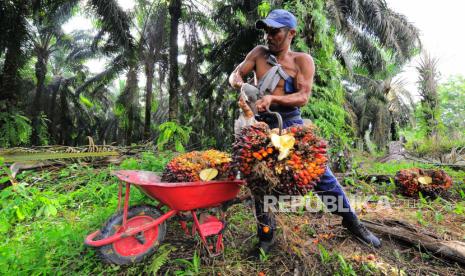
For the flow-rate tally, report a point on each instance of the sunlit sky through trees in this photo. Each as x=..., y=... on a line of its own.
x=440, y=25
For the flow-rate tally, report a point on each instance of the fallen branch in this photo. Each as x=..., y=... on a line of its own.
x=438, y=164
x=15, y=168
x=453, y=250
x=376, y=177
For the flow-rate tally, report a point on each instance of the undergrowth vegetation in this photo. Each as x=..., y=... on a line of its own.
x=46, y=215
x=420, y=144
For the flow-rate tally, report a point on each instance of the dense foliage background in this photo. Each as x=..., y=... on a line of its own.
x=167, y=64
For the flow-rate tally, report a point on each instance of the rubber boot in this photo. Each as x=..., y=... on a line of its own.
x=266, y=226
x=357, y=229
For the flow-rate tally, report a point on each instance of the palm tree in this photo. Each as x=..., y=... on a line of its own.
x=428, y=86
x=373, y=43
x=373, y=30
x=175, y=16
x=234, y=21
x=400, y=106
x=379, y=107
x=73, y=116
x=152, y=43
x=13, y=36
x=46, y=38
x=115, y=21
x=128, y=102
x=15, y=32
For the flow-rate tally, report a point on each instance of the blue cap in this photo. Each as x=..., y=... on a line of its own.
x=277, y=19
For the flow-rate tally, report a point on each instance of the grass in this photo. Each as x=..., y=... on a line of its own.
x=423, y=146
x=44, y=219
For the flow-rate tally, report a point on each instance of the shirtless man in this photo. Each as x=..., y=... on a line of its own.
x=291, y=92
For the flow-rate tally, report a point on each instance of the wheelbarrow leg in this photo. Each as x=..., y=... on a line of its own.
x=126, y=204
x=120, y=191
x=210, y=227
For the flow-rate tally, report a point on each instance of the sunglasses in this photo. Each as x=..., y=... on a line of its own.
x=274, y=31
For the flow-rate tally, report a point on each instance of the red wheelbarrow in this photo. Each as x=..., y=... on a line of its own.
x=134, y=233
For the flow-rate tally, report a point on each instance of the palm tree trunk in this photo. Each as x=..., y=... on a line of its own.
x=65, y=122
x=149, y=71
x=394, y=132
x=14, y=56
x=41, y=72
x=131, y=98
x=175, y=13
x=9, y=78
x=160, y=84
x=52, y=110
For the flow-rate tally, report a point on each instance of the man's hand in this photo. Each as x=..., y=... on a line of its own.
x=236, y=79
x=264, y=103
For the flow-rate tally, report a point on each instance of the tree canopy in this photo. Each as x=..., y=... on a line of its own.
x=184, y=51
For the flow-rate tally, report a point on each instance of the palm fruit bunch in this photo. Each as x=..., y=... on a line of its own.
x=197, y=166
x=291, y=163
x=431, y=183
x=248, y=147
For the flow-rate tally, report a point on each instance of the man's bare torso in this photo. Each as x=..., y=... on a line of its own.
x=288, y=63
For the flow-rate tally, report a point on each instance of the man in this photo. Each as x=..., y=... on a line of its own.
x=284, y=79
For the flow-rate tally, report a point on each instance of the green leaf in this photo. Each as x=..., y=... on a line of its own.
x=4, y=225
x=178, y=146
x=85, y=101
x=40, y=212
x=462, y=194
x=264, y=8
x=163, y=253
x=19, y=213
x=50, y=210
x=130, y=164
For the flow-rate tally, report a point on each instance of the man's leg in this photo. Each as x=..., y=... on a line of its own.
x=333, y=196
x=266, y=227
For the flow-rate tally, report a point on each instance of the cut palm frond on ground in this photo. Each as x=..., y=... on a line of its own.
x=454, y=250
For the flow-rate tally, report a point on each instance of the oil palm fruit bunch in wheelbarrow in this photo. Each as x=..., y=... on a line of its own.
x=431, y=183
x=197, y=165
x=290, y=163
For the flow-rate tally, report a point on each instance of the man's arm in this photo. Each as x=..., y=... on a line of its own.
x=236, y=79
x=304, y=82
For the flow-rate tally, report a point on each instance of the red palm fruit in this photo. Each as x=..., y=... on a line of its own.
x=319, y=156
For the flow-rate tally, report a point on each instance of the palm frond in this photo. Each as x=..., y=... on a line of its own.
x=373, y=28
x=428, y=77
x=114, y=21
x=61, y=12
x=114, y=67
x=368, y=52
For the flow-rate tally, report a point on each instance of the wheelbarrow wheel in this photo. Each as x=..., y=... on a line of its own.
x=135, y=248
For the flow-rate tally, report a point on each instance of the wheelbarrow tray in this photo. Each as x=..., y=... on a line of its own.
x=182, y=196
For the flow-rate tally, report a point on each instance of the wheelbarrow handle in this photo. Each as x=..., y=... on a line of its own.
x=278, y=117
